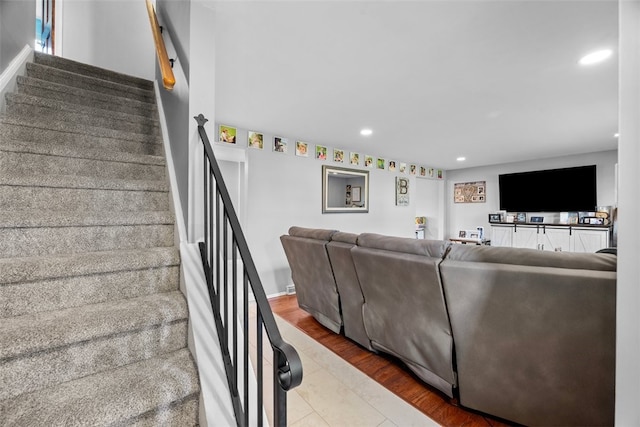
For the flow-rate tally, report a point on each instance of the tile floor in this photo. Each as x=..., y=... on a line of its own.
x=334, y=393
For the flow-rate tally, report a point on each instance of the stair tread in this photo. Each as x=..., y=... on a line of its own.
x=43, y=121
x=78, y=108
x=86, y=182
x=78, y=152
x=111, y=397
x=81, y=96
x=30, y=333
x=90, y=83
x=90, y=70
x=32, y=219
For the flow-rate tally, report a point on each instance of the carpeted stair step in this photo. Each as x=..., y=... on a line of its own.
x=147, y=392
x=30, y=159
x=90, y=70
x=39, y=350
x=56, y=75
x=20, y=129
x=46, y=122
x=68, y=193
x=36, y=107
x=80, y=152
x=46, y=283
x=29, y=233
x=59, y=92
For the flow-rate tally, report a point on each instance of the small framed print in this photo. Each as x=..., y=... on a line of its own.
x=521, y=217
x=495, y=217
x=338, y=156
x=255, y=140
x=228, y=134
x=537, y=219
x=354, y=159
x=392, y=166
x=302, y=149
x=280, y=144
x=368, y=161
x=321, y=152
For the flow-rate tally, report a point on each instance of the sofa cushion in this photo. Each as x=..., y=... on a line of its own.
x=430, y=248
x=311, y=233
x=533, y=257
x=351, y=299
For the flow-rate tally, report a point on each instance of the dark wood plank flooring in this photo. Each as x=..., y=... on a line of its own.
x=386, y=370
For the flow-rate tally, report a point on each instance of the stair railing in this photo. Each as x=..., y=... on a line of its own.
x=168, y=79
x=224, y=240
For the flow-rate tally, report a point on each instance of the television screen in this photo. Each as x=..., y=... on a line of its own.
x=554, y=190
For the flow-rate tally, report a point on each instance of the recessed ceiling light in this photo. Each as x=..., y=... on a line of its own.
x=615, y=135
x=461, y=159
x=595, y=57
x=366, y=132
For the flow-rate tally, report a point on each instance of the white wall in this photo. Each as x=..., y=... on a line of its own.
x=465, y=216
x=429, y=198
x=112, y=34
x=285, y=190
x=628, y=289
x=17, y=28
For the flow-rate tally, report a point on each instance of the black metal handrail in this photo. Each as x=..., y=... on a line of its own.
x=219, y=218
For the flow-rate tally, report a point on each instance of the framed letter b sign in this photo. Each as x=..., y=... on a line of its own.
x=402, y=191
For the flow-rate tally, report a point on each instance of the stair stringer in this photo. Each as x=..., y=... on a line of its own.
x=215, y=402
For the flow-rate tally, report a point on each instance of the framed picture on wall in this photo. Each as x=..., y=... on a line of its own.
x=521, y=217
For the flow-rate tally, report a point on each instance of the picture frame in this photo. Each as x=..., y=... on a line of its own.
x=381, y=163
x=255, y=140
x=302, y=149
x=462, y=234
x=537, y=219
x=403, y=167
x=495, y=217
x=280, y=145
x=338, y=155
x=355, y=194
x=368, y=161
x=391, y=166
x=520, y=217
x=228, y=134
x=321, y=152
x=402, y=191
x=354, y=158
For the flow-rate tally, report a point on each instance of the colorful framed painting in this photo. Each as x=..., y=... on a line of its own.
x=380, y=164
x=391, y=166
x=338, y=156
x=403, y=168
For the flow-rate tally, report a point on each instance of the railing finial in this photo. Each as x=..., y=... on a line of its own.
x=201, y=119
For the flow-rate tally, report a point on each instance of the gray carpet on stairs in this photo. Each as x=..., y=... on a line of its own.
x=93, y=326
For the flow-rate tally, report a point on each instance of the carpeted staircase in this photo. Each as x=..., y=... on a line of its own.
x=93, y=326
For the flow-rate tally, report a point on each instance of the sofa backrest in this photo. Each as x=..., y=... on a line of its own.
x=351, y=299
x=534, y=333
x=312, y=274
x=404, y=310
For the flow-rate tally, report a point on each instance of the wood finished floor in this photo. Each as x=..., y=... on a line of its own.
x=387, y=371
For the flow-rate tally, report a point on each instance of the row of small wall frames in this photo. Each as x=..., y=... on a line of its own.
x=280, y=145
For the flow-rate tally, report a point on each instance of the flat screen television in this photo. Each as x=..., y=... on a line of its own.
x=553, y=190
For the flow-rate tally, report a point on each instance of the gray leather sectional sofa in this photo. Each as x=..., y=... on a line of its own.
x=525, y=335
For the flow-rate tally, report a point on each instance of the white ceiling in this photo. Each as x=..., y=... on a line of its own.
x=494, y=81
